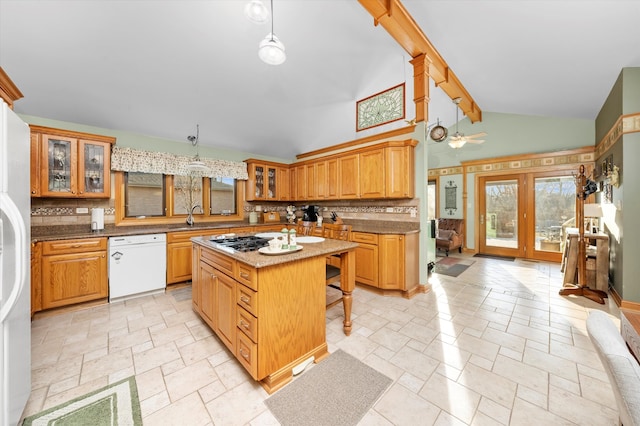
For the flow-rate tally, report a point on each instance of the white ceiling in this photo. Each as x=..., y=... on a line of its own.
x=160, y=67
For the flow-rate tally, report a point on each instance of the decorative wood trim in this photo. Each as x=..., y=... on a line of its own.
x=71, y=134
x=629, y=123
x=403, y=28
x=523, y=162
x=357, y=142
x=421, y=87
x=8, y=90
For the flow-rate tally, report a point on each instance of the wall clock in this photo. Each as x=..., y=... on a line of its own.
x=438, y=133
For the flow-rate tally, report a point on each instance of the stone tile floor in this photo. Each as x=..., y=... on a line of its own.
x=496, y=345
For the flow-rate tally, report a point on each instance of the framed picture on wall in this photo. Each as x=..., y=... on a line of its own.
x=381, y=108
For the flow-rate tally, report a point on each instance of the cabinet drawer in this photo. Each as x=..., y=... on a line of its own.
x=247, y=276
x=184, y=236
x=248, y=299
x=220, y=262
x=79, y=245
x=364, y=237
x=247, y=354
x=248, y=324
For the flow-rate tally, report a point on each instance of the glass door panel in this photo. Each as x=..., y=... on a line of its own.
x=260, y=182
x=271, y=182
x=555, y=207
x=500, y=228
x=60, y=166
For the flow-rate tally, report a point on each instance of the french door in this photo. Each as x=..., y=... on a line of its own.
x=526, y=215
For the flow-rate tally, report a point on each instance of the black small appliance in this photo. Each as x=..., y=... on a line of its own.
x=310, y=213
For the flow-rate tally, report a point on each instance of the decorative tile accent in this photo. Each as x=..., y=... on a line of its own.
x=625, y=124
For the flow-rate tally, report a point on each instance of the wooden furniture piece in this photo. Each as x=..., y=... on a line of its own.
x=73, y=271
x=268, y=310
x=336, y=231
x=179, y=261
x=304, y=227
x=9, y=92
x=449, y=234
x=388, y=263
x=581, y=288
x=597, y=260
x=630, y=330
x=619, y=363
x=68, y=164
x=267, y=181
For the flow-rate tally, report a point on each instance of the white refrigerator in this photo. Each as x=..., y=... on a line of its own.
x=15, y=287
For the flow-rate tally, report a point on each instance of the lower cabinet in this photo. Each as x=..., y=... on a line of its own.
x=73, y=271
x=179, y=264
x=388, y=262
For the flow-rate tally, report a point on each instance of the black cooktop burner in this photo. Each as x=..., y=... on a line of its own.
x=241, y=244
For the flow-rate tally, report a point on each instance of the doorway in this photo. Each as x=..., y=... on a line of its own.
x=526, y=215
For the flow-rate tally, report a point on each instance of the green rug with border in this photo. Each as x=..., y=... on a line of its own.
x=452, y=266
x=113, y=405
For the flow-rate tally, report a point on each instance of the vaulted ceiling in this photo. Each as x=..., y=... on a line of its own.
x=159, y=68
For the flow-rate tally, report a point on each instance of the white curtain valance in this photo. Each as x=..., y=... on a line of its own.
x=134, y=160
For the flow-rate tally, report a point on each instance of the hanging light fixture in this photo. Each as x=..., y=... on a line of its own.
x=271, y=49
x=457, y=140
x=196, y=165
x=256, y=12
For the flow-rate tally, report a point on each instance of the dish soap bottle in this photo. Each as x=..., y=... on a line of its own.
x=285, y=238
x=292, y=239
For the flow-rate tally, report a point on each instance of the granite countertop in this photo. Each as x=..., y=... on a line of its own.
x=259, y=260
x=63, y=232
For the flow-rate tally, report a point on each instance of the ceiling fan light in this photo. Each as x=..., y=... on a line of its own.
x=271, y=50
x=457, y=143
x=197, y=165
x=256, y=12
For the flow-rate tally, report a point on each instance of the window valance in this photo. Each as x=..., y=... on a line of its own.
x=133, y=160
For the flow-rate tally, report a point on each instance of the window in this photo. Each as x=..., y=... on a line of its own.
x=158, y=198
x=223, y=196
x=144, y=194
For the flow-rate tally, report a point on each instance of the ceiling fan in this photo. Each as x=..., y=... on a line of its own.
x=458, y=140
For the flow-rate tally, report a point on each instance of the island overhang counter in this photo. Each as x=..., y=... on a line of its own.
x=269, y=310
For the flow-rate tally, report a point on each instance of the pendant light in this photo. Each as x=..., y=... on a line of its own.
x=457, y=141
x=256, y=12
x=271, y=49
x=196, y=165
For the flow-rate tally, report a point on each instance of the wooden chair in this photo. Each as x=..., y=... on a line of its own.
x=336, y=231
x=305, y=227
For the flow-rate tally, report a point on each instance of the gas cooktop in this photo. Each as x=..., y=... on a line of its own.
x=236, y=243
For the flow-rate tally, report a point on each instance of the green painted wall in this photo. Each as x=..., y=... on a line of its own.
x=150, y=143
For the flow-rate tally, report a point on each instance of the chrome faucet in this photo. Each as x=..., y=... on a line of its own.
x=190, y=215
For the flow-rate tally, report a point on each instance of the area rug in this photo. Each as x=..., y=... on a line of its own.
x=339, y=390
x=493, y=256
x=452, y=266
x=113, y=405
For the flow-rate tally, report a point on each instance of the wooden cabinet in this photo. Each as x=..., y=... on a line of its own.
x=283, y=183
x=70, y=164
x=372, y=174
x=388, y=262
x=349, y=176
x=179, y=255
x=73, y=271
x=399, y=172
x=300, y=182
x=271, y=318
x=265, y=181
x=36, y=276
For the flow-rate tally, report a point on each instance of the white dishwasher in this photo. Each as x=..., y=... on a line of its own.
x=137, y=265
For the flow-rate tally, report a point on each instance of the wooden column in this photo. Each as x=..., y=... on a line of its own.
x=421, y=98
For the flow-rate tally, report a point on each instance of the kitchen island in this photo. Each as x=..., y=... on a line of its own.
x=269, y=310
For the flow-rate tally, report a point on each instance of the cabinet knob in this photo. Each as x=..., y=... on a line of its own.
x=33, y=192
x=245, y=299
x=244, y=275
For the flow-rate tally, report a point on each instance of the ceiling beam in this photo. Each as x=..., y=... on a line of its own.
x=394, y=18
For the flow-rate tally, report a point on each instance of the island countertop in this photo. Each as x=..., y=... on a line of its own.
x=259, y=260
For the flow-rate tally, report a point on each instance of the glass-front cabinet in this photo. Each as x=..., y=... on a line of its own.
x=70, y=167
x=264, y=181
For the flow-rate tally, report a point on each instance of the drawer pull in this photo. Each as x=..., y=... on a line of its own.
x=244, y=325
x=245, y=299
x=244, y=275
x=244, y=354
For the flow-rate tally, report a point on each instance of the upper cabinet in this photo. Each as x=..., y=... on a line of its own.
x=267, y=181
x=70, y=164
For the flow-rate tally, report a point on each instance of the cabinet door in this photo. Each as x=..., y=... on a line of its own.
x=35, y=164
x=283, y=184
x=196, y=280
x=349, y=176
x=367, y=264
x=94, y=169
x=179, y=262
x=300, y=183
x=311, y=181
x=270, y=190
x=73, y=278
x=399, y=172
x=332, y=179
x=225, y=296
x=59, y=166
x=36, y=274
x=207, y=282
x=321, y=180
x=372, y=174
x=392, y=262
